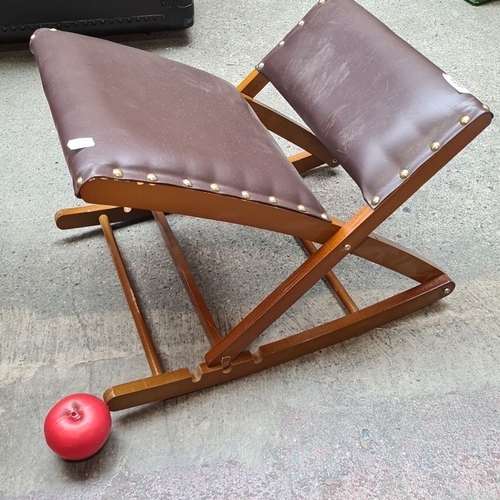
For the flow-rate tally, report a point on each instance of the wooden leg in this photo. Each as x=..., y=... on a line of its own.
x=304, y=161
x=315, y=153
x=350, y=235
x=88, y=215
x=291, y=131
x=253, y=83
x=183, y=381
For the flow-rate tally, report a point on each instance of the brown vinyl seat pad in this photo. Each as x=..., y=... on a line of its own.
x=378, y=105
x=153, y=118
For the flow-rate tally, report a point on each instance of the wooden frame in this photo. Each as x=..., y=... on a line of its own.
x=228, y=357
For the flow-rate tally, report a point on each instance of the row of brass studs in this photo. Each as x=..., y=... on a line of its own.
x=464, y=120
x=118, y=172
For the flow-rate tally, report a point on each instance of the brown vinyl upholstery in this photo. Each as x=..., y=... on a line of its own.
x=375, y=102
x=150, y=116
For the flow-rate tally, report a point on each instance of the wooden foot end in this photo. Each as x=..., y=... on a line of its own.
x=88, y=215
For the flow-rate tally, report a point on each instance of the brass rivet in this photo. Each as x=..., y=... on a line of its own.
x=347, y=248
x=301, y=22
x=245, y=194
x=403, y=174
x=260, y=65
x=118, y=172
x=435, y=146
x=152, y=177
x=187, y=183
x=215, y=187
x=464, y=120
x=281, y=43
x=486, y=107
x=302, y=208
x=272, y=199
x=127, y=210
x=447, y=291
x=324, y=216
x=375, y=200
x=79, y=182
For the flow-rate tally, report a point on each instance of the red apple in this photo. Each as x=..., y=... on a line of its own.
x=77, y=426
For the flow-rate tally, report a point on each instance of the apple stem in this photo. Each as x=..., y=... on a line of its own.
x=74, y=414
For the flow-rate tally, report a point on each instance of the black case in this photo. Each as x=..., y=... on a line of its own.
x=18, y=19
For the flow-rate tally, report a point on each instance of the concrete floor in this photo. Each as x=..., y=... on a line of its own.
x=407, y=411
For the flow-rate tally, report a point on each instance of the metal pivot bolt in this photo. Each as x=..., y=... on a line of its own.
x=347, y=248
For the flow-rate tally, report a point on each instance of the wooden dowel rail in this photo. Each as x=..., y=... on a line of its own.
x=140, y=323
x=334, y=282
x=188, y=280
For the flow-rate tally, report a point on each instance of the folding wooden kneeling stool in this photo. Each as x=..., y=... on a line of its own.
x=159, y=137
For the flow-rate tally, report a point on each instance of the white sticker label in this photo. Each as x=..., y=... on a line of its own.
x=456, y=85
x=81, y=143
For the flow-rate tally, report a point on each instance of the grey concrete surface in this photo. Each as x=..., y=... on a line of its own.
x=407, y=411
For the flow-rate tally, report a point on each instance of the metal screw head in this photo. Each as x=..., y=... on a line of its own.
x=403, y=174
x=281, y=43
x=260, y=65
x=447, y=291
x=375, y=200
x=347, y=248
x=435, y=146
x=79, y=182
x=302, y=208
x=152, y=177
x=486, y=107
x=118, y=172
x=464, y=120
x=272, y=199
x=215, y=187
x=245, y=194
x=187, y=183
x=127, y=210
x=324, y=216
x=301, y=22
